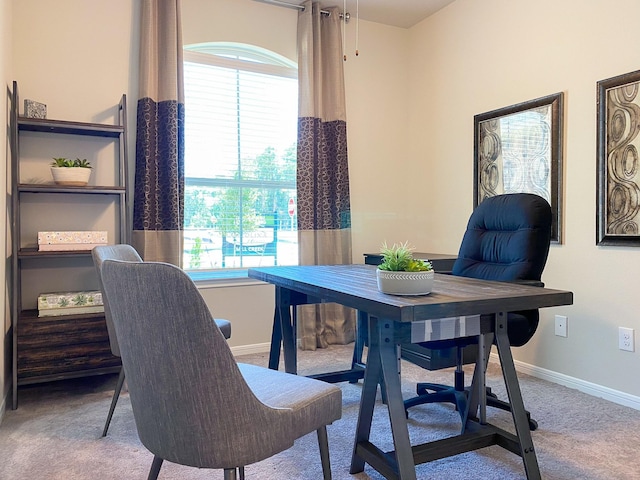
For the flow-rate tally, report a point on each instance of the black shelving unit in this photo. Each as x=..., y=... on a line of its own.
x=68, y=346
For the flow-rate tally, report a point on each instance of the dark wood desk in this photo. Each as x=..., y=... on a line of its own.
x=390, y=322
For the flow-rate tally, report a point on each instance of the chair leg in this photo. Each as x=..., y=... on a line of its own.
x=323, y=443
x=230, y=474
x=155, y=468
x=241, y=471
x=114, y=400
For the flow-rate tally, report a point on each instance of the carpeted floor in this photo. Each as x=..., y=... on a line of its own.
x=55, y=433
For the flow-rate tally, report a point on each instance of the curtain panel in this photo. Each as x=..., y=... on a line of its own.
x=324, y=211
x=158, y=208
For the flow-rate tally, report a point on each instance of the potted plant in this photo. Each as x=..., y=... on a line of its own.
x=70, y=172
x=401, y=274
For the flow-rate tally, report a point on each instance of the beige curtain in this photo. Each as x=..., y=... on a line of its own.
x=324, y=217
x=158, y=209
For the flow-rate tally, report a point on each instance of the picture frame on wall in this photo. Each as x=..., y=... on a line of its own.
x=518, y=149
x=618, y=170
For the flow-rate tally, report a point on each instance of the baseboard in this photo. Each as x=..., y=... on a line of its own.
x=251, y=349
x=589, y=388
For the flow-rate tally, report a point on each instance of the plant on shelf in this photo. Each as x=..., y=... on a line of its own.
x=71, y=172
x=401, y=274
x=67, y=163
x=399, y=258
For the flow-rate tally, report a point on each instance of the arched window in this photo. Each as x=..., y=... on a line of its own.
x=240, y=157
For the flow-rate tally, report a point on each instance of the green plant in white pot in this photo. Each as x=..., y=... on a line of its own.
x=70, y=172
x=401, y=274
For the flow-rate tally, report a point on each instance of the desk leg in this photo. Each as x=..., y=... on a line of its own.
x=395, y=404
x=283, y=332
x=361, y=335
x=482, y=377
x=515, y=398
x=478, y=393
x=367, y=398
x=276, y=341
x=382, y=362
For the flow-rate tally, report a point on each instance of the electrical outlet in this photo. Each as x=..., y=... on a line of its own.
x=561, y=325
x=625, y=339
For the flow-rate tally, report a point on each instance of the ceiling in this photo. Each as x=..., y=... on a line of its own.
x=398, y=13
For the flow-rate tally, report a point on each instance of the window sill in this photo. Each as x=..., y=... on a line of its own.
x=222, y=278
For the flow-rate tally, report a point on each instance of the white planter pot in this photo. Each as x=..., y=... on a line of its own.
x=405, y=283
x=74, y=176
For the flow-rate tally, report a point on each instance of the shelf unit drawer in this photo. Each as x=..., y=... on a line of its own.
x=62, y=344
x=37, y=332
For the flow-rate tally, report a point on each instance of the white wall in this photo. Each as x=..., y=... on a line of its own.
x=77, y=57
x=376, y=84
x=5, y=76
x=473, y=57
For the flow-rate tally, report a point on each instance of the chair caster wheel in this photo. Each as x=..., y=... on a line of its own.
x=533, y=425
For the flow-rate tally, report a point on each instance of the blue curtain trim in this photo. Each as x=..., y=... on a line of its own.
x=158, y=200
x=323, y=175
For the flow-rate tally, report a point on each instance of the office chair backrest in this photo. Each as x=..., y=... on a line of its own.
x=190, y=402
x=507, y=239
x=112, y=252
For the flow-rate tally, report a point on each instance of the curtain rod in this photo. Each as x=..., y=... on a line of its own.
x=280, y=3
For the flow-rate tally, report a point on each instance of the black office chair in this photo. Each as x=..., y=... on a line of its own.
x=507, y=239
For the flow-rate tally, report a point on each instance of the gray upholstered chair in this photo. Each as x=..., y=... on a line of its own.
x=129, y=254
x=192, y=403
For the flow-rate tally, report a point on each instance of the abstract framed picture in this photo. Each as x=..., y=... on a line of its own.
x=518, y=149
x=618, y=172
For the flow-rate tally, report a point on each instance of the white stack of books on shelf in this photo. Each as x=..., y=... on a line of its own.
x=68, y=241
x=69, y=303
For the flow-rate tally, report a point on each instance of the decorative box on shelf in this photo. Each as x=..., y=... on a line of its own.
x=65, y=241
x=33, y=109
x=69, y=303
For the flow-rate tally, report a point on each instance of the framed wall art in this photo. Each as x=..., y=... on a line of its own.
x=618, y=172
x=518, y=149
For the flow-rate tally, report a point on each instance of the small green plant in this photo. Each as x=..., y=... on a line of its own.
x=399, y=258
x=65, y=162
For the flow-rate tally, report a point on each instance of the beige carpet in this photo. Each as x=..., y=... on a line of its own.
x=55, y=434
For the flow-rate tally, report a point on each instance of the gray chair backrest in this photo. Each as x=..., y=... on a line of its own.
x=190, y=402
x=112, y=252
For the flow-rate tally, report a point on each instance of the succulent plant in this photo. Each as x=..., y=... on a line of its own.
x=65, y=162
x=399, y=258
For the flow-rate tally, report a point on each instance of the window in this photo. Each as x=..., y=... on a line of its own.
x=240, y=158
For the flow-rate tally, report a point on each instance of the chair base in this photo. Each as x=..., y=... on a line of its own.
x=494, y=401
x=436, y=393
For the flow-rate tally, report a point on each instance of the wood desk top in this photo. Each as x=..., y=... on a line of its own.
x=356, y=286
